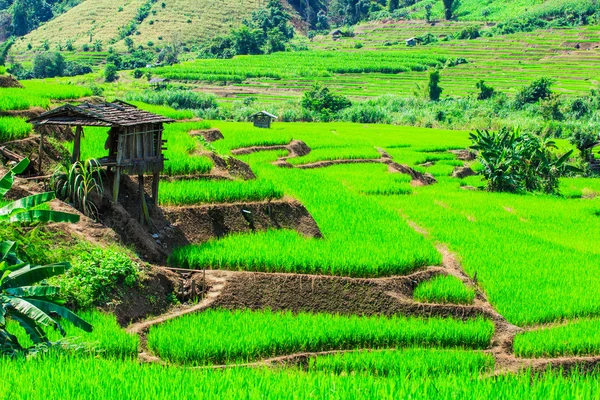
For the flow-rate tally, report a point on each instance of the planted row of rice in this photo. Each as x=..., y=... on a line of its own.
x=445, y=290
x=12, y=128
x=222, y=336
x=200, y=191
x=430, y=362
x=574, y=338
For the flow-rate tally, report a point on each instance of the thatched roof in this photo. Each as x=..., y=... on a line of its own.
x=115, y=114
x=268, y=114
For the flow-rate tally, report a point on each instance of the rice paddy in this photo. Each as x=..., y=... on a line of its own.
x=445, y=290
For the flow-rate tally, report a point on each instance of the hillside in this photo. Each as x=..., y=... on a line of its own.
x=166, y=20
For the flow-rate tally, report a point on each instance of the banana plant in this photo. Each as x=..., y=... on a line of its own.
x=24, y=297
x=24, y=210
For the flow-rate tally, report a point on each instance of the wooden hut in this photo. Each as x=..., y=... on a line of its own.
x=595, y=162
x=158, y=83
x=411, y=42
x=134, y=141
x=262, y=119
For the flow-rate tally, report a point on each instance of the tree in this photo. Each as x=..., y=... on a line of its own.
x=540, y=89
x=428, y=8
x=48, y=65
x=110, y=73
x=434, y=89
x=248, y=41
x=485, y=91
x=20, y=20
x=24, y=297
x=450, y=7
x=393, y=5
x=321, y=100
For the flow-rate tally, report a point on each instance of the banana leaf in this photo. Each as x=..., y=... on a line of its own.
x=51, y=308
x=32, y=311
x=30, y=276
x=7, y=180
x=33, y=291
x=35, y=333
x=44, y=216
x=27, y=203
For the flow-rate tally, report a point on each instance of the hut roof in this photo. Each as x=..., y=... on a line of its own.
x=268, y=114
x=157, y=80
x=115, y=114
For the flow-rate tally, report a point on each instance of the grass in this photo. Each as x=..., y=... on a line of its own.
x=419, y=361
x=190, y=192
x=165, y=111
x=92, y=378
x=13, y=128
x=220, y=336
x=575, y=338
x=107, y=339
x=444, y=290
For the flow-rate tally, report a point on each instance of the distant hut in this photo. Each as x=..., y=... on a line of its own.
x=134, y=141
x=336, y=34
x=158, y=83
x=262, y=119
x=411, y=42
x=594, y=162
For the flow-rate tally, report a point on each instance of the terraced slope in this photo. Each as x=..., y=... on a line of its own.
x=183, y=20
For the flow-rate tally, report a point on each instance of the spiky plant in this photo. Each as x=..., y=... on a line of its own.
x=78, y=185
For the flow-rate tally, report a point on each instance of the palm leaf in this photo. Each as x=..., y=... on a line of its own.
x=44, y=216
x=27, y=203
x=35, y=333
x=50, y=308
x=29, y=276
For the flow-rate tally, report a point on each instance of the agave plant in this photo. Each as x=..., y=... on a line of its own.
x=23, y=296
x=79, y=184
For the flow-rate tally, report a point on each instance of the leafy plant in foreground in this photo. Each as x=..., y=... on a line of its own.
x=33, y=307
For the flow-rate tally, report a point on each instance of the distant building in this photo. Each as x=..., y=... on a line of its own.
x=262, y=119
x=336, y=34
x=412, y=42
x=158, y=83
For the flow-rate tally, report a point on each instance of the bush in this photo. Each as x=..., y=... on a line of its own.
x=95, y=277
x=514, y=162
x=469, y=33
x=48, y=65
x=537, y=90
x=321, y=100
x=110, y=73
x=434, y=89
x=485, y=91
x=138, y=73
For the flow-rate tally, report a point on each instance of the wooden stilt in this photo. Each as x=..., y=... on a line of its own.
x=155, y=182
x=144, y=214
x=41, y=149
x=116, y=184
x=77, y=146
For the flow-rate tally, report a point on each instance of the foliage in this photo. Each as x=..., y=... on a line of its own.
x=450, y=7
x=539, y=89
x=48, y=65
x=485, y=91
x=110, y=73
x=81, y=184
x=514, y=161
x=219, y=336
x=95, y=276
x=22, y=298
x=584, y=141
x=433, y=87
x=322, y=101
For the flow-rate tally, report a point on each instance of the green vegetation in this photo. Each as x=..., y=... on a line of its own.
x=570, y=339
x=80, y=184
x=219, y=336
x=430, y=362
x=444, y=289
x=190, y=192
x=13, y=128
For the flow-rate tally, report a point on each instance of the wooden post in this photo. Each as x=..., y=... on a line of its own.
x=41, y=149
x=116, y=183
x=77, y=146
x=144, y=214
x=155, y=182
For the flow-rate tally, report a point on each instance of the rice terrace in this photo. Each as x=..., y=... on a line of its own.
x=273, y=199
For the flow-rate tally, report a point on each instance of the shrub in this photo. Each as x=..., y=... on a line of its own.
x=110, y=73
x=537, y=90
x=48, y=65
x=469, y=33
x=513, y=161
x=321, y=100
x=434, y=89
x=138, y=73
x=584, y=140
x=485, y=91
x=450, y=7
x=95, y=275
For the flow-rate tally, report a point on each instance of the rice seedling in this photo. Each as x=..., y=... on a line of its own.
x=190, y=192
x=429, y=362
x=221, y=336
x=90, y=378
x=13, y=128
x=444, y=289
x=574, y=338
